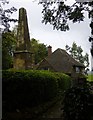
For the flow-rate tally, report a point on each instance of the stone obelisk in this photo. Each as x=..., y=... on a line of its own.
x=23, y=55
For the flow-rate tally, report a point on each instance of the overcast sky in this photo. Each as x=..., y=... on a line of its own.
x=79, y=32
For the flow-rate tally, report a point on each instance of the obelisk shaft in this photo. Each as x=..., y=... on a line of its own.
x=23, y=38
x=23, y=55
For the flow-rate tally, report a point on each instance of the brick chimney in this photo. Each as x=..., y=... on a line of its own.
x=49, y=50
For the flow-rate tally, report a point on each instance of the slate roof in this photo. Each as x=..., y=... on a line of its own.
x=60, y=60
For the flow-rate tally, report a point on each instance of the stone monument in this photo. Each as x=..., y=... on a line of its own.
x=22, y=54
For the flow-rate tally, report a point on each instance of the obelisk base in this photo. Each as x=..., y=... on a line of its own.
x=22, y=60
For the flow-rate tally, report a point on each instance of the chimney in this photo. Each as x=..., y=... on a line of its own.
x=49, y=50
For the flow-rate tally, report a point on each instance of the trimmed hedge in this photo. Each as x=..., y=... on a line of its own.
x=64, y=81
x=30, y=88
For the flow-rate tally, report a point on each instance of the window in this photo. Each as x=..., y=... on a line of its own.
x=77, y=69
x=45, y=68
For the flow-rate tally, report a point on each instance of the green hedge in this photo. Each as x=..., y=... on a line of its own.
x=30, y=88
x=64, y=81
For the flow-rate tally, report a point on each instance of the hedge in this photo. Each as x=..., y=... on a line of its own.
x=30, y=88
x=64, y=81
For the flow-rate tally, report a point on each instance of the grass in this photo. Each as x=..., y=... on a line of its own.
x=90, y=77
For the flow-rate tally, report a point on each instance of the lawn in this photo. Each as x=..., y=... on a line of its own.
x=90, y=77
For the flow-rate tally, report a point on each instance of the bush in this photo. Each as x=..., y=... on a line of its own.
x=30, y=88
x=27, y=88
x=78, y=104
x=64, y=81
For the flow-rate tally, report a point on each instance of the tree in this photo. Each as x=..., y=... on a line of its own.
x=77, y=53
x=5, y=15
x=58, y=13
x=39, y=50
x=73, y=50
x=8, y=39
x=8, y=46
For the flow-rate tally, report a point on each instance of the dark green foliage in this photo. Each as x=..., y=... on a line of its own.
x=5, y=15
x=64, y=81
x=77, y=53
x=59, y=13
x=39, y=49
x=28, y=88
x=23, y=89
x=56, y=15
x=8, y=46
x=78, y=104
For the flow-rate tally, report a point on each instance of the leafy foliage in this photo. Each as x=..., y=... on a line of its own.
x=59, y=13
x=5, y=15
x=57, y=16
x=8, y=46
x=77, y=53
x=25, y=89
x=64, y=81
x=39, y=50
x=78, y=104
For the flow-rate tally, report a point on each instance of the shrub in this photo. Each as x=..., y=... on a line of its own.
x=64, y=81
x=78, y=104
x=30, y=88
x=27, y=88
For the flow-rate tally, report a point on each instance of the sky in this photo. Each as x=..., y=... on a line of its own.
x=79, y=32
